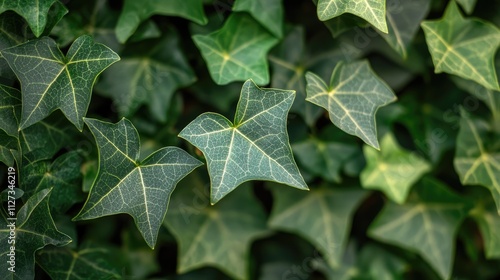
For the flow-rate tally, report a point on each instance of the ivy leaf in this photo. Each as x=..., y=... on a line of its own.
x=269, y=13
x=463, y=47
x=150, y=72
x=490, y=97
x=254, y=147
x=477, y=156
x=322, y=216
x=352, y=98
x=219, y=235
x=125, y=185
x=467, y=5
x=10, y=113
x=237, y=51
x=403, y=22
x=134, y=12
x=486, y=215
x=34, y=230
x=392, y=169
x=67, y=81
x=33, y=11
x=87, y=262
x=372, y=11
x=427, y=223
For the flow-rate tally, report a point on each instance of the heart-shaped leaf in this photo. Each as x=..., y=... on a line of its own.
x=352, y=98
x=463, y=47
x=126, y=185
x=254, y=147
x=67, y=81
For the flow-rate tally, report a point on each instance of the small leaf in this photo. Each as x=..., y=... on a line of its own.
x=134, y=12
x=269, y=13
x=67, y=81
x=427, y=224
x=322, y=216
x=372, y=11
x=486, y=215
x=237, y=51
x=219, y=235
x=392, y=170
x=33, y=11
x=477, y=156
x=352, y=98
x=254, y=147
x=125, y=185
x=467, y=5
x=151, y=72
x=463, y=47
x=34, y=229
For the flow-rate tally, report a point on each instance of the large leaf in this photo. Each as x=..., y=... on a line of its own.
x=126, y=185
x=150, y=72
x=269, y=13
x=217, y=235
x=322, y=216
x=372, y=11
x=254, y=147
x=34, y=229
x=134, y=12
x=33, y=11
x=87, y=262
x=477, y=156
x=463, y=47
x=392, y=169
x=426, y=224
x=67, y=81
x=352, y=98
x=237, y=51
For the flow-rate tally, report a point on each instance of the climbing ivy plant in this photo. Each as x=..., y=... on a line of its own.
x=249, y=139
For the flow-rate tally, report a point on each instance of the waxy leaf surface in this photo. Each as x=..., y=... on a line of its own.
x=126, y=185
x=254, y=147
x=50, y=80
x=269, y=13
x=352, y=98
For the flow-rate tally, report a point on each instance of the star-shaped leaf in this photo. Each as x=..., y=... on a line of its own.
x=477, y=156
x=372, y=11
x=269, y=13
x=392, y=169
x=33, y=11
x=126, y=185
x=150, y=72
x=237, y=51
x=34, y=229
x=463, y=47
x=427, y=224
x=322, y=216
x=352, y=98
x=254, y=147
x=134, y=12
x=67, y=81
x=219, y=235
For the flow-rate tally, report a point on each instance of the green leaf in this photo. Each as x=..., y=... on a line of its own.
x=269, y=13
x=10, y=113
x=254, y=147
x=34, y=229
x=322, y=216
x=463, y=47
x=67, y=81
x=403, y=22
x=237, y=51
x=323, y=158
x=490, y=97
x=33, y=11
x=377, y=263
x=392, y=169
x=467, y=5
x=87, y=262
x=219, y=235
x=134, y=12
x=125, y=185
x=372, y=11
x=486, y=215
x=477, y=156
x=426, y=224
x=151, y=72
x=352, y=98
